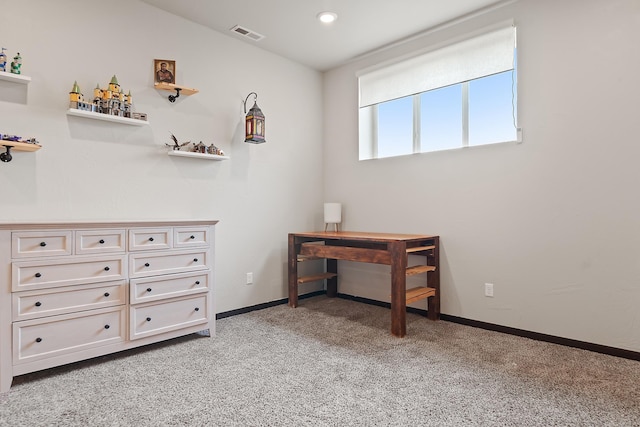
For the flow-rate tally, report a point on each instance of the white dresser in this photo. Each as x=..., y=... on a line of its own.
x=72, y=291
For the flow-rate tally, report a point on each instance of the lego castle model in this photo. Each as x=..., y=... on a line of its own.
x=106, y=101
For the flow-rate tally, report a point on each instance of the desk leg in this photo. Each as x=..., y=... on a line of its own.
x=293, y=272
x=433, y=281
x=398, y=251
x=332, y=283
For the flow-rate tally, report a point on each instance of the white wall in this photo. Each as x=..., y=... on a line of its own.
x=553, y=222
x=89, y=170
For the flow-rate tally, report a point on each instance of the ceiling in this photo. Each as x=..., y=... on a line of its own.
x=291, y=29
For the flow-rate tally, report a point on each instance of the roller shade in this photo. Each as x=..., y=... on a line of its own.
x=476, y=57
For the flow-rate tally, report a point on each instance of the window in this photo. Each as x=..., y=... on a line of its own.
x=460, y=95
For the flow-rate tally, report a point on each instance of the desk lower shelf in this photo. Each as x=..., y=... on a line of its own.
x=315, y=277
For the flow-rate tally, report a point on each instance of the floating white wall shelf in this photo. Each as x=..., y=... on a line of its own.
x=16, y=78
x=203, y=156
x=106, y=117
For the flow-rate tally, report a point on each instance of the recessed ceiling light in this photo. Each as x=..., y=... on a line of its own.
x=327, y=17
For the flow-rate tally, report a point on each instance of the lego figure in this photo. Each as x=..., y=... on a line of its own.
x=75, y=96
x=114, y=86
x=3, y=60
x=97, y=94
x=128, y=105
x=16, y=64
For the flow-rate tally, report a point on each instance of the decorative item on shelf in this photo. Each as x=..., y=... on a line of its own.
x=176, y=145
x=212, y=149
x=165, y=70
x=111, y=101
x=204, y=149
x=14, y=141
x=254, y=122
x=16, y=64
x=5, y=137
x=199, y=148
x=165, y=78
x=332, y=215
x=3, y=60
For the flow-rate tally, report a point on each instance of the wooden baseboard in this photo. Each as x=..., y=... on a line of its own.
x=265, y=305
x=597, y=348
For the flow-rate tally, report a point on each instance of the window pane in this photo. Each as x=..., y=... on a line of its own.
x=490, y=109
x=441, y=118
x=395, y=127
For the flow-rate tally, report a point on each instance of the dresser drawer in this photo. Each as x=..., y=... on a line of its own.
x=169, y=286
x=186, y=237
x=50, y=302
x=67, y=333
x=50, y=273
x=144, y=239
x=41, y=243
x=100, y=241
x=153, y=264
x=157, y=318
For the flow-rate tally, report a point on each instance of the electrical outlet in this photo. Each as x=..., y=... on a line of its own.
x=249, y=278
x=488, y=289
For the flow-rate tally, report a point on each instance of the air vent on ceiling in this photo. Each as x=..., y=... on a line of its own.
x=245, y=32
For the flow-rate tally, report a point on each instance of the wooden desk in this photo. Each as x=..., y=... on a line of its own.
x=377, y=248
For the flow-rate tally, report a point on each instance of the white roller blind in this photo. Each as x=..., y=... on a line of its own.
x=480, y=56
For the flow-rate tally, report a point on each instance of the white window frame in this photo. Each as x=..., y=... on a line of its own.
x=368, y=111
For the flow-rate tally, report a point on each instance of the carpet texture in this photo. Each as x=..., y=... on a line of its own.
x=333, y=362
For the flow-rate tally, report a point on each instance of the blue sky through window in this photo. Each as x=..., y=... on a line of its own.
x=490, y=117
x=490, y=109
x=395, y=127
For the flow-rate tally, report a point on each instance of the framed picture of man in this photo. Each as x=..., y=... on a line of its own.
x=165, y=71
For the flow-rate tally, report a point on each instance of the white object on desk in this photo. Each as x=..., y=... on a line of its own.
x=332, y=215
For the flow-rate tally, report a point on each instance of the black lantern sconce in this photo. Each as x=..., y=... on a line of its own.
x=254, y=122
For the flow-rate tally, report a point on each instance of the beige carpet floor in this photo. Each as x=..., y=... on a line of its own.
x=333, y=362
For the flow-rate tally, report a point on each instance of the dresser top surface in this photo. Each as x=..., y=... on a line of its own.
x=44, y=225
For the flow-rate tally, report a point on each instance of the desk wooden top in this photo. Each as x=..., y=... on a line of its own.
x=363, y=236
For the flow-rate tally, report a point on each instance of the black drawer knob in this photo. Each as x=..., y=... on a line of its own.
x=38, y=304
x=107, y=268
x=38, y=275
x=151, y=239
x=148, y=289
x=106, y=294
x=43, y=244
x=148, y=319
x=38, y=339
x=197, y=309
x=192, y=237
x=107, y=326
x=101, y=241
x=195, y=260
x=197, y=282
x=146, y=264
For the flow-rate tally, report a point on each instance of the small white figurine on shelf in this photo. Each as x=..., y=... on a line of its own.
x=3, y=60
x=16, y=64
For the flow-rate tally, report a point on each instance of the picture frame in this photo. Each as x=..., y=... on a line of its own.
x=164, y=71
